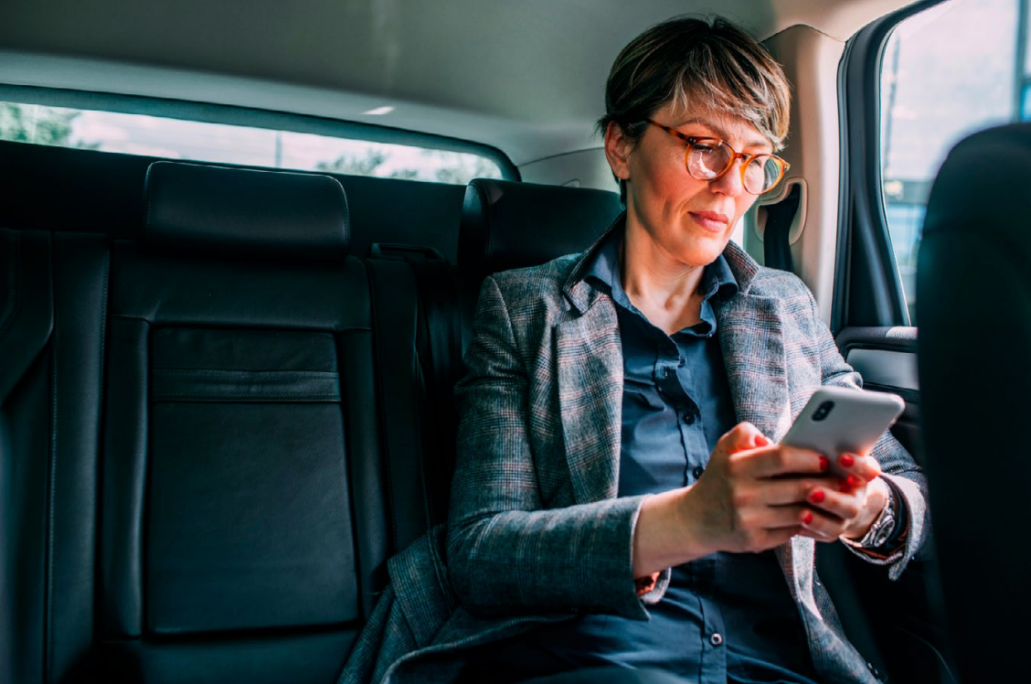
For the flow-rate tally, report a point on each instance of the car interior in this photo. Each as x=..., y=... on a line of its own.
x=226, y=381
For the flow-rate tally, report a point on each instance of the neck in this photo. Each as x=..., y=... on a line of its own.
x=650, y=275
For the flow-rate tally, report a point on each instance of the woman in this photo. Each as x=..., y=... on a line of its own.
x=618, y=463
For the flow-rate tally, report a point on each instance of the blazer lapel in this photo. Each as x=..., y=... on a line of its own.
x=589, y=368
x=752, y=340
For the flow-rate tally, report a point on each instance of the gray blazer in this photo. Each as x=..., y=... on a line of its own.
x=536, y=532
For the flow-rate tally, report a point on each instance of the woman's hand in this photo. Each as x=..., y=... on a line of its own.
x=744, y=500
x=755, y=496
x=851, y=510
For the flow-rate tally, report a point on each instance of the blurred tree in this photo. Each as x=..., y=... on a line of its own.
x=440, y=166
x=36, y=124
x=455, y=167
x=355, y=166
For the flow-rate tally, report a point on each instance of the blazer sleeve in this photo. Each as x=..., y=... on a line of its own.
x=506, y=554
x=897, y=464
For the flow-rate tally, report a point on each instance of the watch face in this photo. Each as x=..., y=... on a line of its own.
x=882, y=529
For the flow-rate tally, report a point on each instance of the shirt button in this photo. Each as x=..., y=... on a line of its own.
x=697, y=472
x=716, y=639
x=689, y=418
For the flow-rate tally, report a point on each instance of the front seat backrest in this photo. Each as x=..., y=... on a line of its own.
x=974, y=299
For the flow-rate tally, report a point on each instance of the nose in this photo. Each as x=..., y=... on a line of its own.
x=731, y=182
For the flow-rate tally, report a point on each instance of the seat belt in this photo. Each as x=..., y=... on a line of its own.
x=439, y=348
x=776, y=244
x=440, y=353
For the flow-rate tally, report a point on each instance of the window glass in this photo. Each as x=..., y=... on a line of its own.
x=230, y=144
x=951, y=70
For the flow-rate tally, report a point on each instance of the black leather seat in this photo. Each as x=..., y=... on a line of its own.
x=974, y=287
x=52, y=288
x=511, y=225
x=242, y=515
x=193, y=486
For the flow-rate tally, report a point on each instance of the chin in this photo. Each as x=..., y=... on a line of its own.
x=703, y=254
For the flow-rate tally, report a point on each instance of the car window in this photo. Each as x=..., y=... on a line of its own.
x=231, y=144
x=951, y=70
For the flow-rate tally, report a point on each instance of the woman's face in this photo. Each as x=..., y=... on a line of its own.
x=689, y=221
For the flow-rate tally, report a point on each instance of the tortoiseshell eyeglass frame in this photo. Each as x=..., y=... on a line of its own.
x=746, y=159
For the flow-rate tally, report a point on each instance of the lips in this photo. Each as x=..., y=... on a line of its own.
x=712, y=216
x=710, y=220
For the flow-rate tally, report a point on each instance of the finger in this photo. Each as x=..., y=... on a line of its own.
x=840, y=505
x=785, y=460
x=865, y=468
x=780, y=492
x=742, y=437
x=780, y=517
x=825, y=527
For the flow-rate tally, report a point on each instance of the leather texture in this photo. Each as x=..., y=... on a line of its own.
x=75, y=190
x=509, y=225
x=192, y=481
x=213, y=210
x=81, y=276
x=236, y=420
x=975, y=257
x=26, y=302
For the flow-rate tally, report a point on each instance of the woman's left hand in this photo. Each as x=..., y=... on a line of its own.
x=850, y=509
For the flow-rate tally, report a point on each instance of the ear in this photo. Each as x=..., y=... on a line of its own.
x=617, y=151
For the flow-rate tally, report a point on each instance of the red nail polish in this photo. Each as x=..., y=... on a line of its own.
x=807, y=518
x=825, y=464
x=846, y=461
x=844, y=487
x=853, y=481
x=761, y=441
x=817, y=496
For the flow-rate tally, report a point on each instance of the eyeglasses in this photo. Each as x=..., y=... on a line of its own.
x=709, y=158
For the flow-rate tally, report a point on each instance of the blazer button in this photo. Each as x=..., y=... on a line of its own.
x=697, y=472
x=689, y=419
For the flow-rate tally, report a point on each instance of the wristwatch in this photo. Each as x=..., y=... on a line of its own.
x=881, y=529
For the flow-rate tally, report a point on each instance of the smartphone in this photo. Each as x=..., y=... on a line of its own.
x=837, y=420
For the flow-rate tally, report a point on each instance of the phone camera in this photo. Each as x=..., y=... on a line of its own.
x=823, y=410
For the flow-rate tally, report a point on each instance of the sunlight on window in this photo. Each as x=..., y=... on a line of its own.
x=226, y=144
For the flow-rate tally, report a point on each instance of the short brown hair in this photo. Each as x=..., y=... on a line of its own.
x=690, y=61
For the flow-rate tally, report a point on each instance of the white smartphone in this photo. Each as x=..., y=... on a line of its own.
x=837, y=420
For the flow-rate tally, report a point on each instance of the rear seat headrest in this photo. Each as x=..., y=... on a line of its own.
x=229, y=211
x=510, y=225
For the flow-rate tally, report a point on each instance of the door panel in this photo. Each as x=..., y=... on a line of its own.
x=886, y=358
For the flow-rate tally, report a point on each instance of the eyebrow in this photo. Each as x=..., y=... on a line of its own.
x=715, y=128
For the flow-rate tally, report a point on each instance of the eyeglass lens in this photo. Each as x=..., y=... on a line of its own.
x=707, y=160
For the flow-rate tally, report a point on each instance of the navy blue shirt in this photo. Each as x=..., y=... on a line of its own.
x=725, y=617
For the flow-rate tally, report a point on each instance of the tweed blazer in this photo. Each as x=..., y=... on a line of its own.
x=536, y=532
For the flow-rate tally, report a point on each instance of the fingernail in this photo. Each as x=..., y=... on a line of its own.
x=825, y=464
x=846, y=461
x=817, y=496
x=761, y=441
x=853, y=481
x=844, y=487
x=807, y=518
